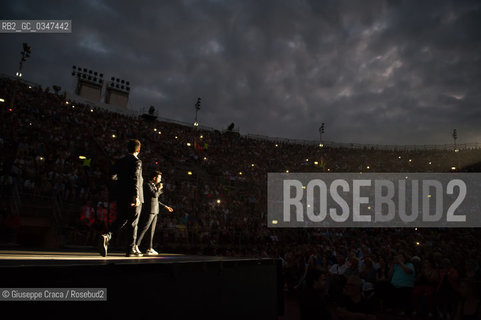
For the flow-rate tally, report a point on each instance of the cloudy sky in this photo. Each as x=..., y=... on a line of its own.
x=390, y=72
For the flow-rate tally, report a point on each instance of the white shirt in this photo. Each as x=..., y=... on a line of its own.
x=338, y=269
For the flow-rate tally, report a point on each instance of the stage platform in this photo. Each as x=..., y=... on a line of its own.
x=167, y=286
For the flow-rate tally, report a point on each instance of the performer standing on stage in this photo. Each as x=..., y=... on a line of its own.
x=129, y=195
x=152, y=191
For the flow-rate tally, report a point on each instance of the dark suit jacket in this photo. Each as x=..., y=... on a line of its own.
x=152, y=193
x=128, y=173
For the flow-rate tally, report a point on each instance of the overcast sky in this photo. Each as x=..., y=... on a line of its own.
x=390, y=72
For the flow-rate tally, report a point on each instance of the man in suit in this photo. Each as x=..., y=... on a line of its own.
x=152, y=191
x=127, y=172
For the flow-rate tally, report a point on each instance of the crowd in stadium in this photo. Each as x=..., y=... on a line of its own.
x=216, y=183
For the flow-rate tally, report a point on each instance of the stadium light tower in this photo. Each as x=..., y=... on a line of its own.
x=321, y=131
x=25, y=54
x=455, y=137
x=197, y=108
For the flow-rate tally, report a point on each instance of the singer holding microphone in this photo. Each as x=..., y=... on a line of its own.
x=153, y=188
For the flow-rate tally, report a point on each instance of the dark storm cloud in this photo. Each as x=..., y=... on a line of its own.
x=374, y=71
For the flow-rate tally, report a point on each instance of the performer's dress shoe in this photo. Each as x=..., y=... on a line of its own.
x=151, y=252
x=104, y=243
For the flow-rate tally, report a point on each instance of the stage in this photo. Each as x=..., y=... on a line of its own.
x=168, y=284
x=41, y=258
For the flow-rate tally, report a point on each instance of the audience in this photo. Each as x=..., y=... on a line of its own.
x=61, y=151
